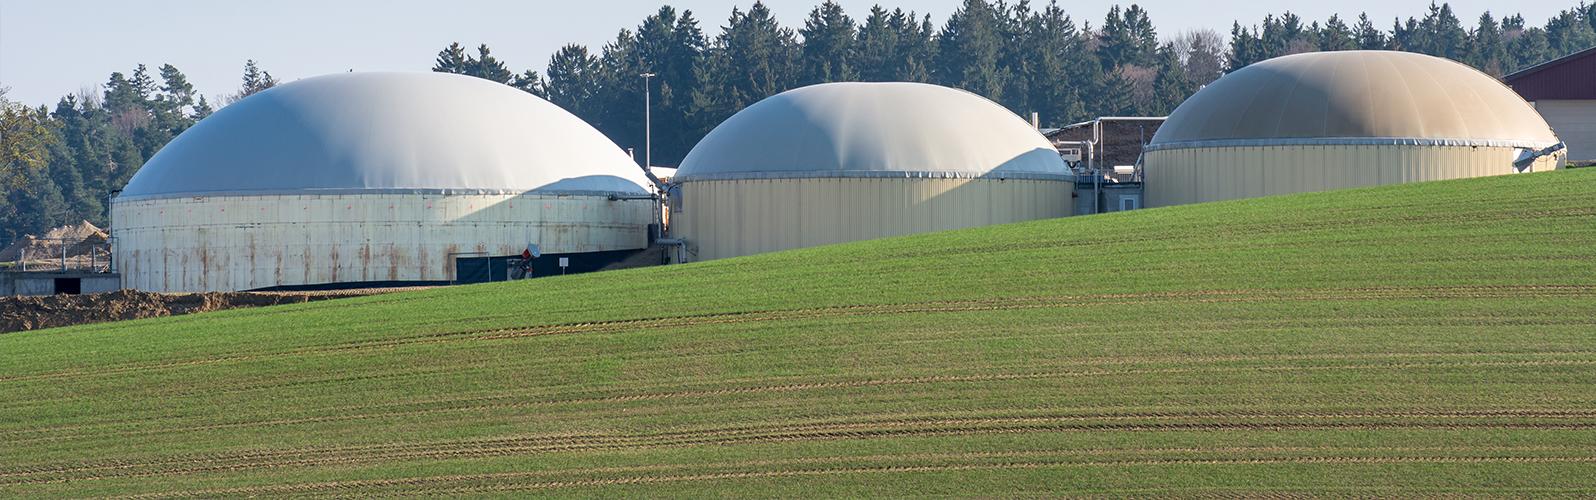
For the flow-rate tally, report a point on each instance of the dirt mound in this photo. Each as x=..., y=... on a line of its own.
x=84, y=245
x=32, y=313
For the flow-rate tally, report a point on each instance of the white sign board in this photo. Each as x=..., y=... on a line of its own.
x=565, y=261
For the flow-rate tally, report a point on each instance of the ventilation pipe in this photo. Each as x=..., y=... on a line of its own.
x=1527, y=157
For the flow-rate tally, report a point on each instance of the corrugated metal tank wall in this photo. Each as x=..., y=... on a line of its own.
x=225, y=243
x=729, y=218
x=1201, y=174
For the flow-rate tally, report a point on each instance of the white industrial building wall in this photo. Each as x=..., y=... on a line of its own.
x=221, y=243
x=1575, y=123
x=1194, y=175
x=729, y=218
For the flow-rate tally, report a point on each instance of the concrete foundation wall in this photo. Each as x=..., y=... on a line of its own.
x=729, y=218
x=1195, y=175
x=226, y=243
x=43, y=283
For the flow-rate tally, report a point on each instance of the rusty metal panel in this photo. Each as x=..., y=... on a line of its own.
x=222, y=243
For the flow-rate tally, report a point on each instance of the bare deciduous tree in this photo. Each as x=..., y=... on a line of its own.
x=1202, y=52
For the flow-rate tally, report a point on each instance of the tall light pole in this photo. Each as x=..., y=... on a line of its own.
x=648, y=124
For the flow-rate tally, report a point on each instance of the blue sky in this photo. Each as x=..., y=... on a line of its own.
x=49, y=48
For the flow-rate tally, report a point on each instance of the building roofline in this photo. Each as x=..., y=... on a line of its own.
x=1543, y=66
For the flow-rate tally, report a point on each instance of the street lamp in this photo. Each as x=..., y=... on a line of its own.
x=648, y=125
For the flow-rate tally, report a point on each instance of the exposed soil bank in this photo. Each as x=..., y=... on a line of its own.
x=32, y=313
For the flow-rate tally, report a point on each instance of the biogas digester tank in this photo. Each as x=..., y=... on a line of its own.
x=851, y=161
x=1329, y=120
x=368, y=178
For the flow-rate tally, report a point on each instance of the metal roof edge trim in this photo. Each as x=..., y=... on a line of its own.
x=379, y=191
x=1547, y=64
x=869, y=174
x=1349, y=141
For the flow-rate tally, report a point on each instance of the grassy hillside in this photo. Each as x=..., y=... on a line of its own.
x=1424, y=339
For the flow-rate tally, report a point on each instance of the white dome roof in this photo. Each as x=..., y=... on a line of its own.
x=388, y=132
x=873, y=130
x=1355, y=97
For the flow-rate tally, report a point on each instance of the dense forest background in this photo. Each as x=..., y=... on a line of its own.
x=58, y=165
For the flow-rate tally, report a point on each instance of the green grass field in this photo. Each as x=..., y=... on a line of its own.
x=1423, y=339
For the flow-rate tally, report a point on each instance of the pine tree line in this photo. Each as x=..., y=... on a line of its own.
x=1026, y=58
x=59, y=164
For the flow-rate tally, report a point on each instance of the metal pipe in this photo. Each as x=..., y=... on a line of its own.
x=110, y=232
x=1528, y=158
x=648, y=123
x=619, y=197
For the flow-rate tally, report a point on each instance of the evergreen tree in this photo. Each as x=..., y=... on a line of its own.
x=80, y=202
x=620, y=92
x=530, y=82
x=916, y=46
x=1117, y=45
x=1487, y=51
x=573, y=81
x=451, y=59
x=143, y=85
x=121, y=94
x=202, y=109
x=1570, y=31
x=1526, y=46
x=1016, y=25
x=169, y=108
x=1245, y=47
x=1409, y=37
x=1285, y=35
x=876, y=50
x=1442, y=33
x=968, y=48
x=1368, y=36
x=754, y=57
x=34, y=208
x=1336, y=35
x=86, y=138
x=487, y=67
x=1172, y=86
x=671, y=46
x=828, y=46
x=1143, y=49
x=1056, y=51
x=253, y=81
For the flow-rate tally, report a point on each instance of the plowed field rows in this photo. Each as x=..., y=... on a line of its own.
x=1430, y=339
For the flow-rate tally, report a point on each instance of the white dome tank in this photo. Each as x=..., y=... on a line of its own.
x=1329, y=120
x=848, y=161
x=372, y=178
